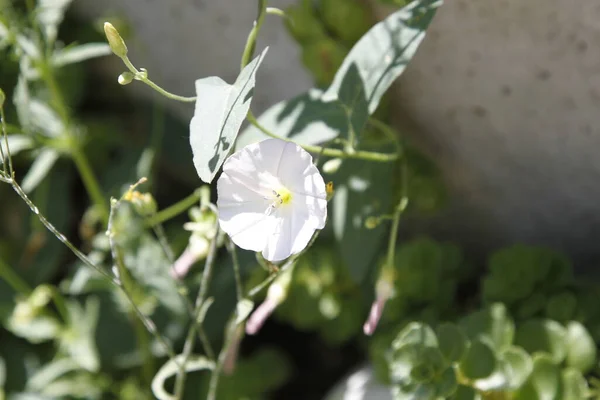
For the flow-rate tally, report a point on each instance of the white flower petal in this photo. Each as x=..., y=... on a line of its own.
x=313, y=208
x=291, y=235
x=241, y=213
x=255, y=179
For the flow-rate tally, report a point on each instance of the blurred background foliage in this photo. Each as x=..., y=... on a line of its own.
x=521, y=327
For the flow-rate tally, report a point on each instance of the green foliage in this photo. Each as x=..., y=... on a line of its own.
x=488, y=364
x=220, y=110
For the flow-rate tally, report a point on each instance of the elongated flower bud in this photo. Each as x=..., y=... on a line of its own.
x=275, y=296
x=116, y=42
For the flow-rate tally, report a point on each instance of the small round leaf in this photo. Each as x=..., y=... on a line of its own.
x=581, y=349
x=544, y=336
x=479, y=361
x=452, y=342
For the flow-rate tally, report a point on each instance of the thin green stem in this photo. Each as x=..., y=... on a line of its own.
x=5, y=134
x=142, y=76
x=175, y=209
x=90, y=182
x=164, y=243
x=236, y=268
x=387, y=131
x=252, y=36
x=125, y=283
x=214, y=377
x=356, y=154
x=14, y=280
x=190, y=339
x=396, y=220
x=81, y=162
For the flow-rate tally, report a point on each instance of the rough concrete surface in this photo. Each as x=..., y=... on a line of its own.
x=506, y=96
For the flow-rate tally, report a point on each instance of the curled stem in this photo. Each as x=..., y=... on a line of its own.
x=357, y=154
x=142, y=76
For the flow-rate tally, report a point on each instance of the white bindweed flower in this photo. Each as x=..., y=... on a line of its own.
x=271, y=198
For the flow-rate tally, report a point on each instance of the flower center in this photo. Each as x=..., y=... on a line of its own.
x=280, y=197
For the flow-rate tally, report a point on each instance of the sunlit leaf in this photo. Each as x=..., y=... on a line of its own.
x=493, y=323
x=519, y=365
x=220, y=110
x=581, y=348
x=544, y=382
x=16, y=144
x=543, y=336
x=76, y=54
x=452, y=341
x=39, y=169
x=382, y=54
x=50, y=14
x=574, y=385
x=79, y=339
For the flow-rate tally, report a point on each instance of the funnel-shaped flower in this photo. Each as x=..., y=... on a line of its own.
x=271, y=198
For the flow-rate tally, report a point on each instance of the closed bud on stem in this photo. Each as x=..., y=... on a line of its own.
x=275, y=296
x=116, y=42
x=371, y=222
x=125, y=78
x=384, y=290
x=144, y=203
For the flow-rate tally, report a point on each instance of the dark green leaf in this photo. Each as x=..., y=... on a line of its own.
x=479, y=361
x=361, y=191
x=465, y=393
x=220, y=110
x=543, y=336
x=452, y=341
x=493, y=323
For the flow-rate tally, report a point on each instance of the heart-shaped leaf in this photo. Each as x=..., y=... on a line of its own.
x=220, y=110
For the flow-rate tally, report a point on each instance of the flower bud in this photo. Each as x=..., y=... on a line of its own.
x=143, y=203
x=117, y=45
x=332, y=166
x=371, y=222
x=125, y=78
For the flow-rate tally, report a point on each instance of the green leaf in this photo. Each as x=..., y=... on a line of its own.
x=415, y=333
x=544, y=382
x=446, y=384
x=414, y=392
x=545, y=336
x=220, y=110
x=581, y=349
x=39, y=169
x=50, y=372
x=452, y=341
x=479, y=361
x=76, y=54
x=575, y=387
x=466, y=393
x=16, y=144
x=171, y=367
x=50, y=14
x=361, y=191
x=382, y=54
x=304, y=119
x=493, y=323
x=243, y=309
x=79, y=339
x=43, y=119
x=519, y=366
